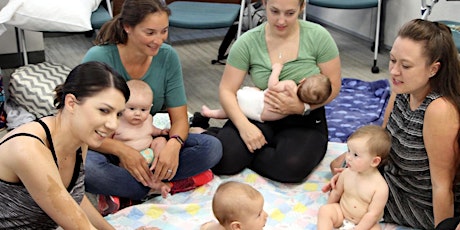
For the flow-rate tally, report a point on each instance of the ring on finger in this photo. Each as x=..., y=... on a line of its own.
x=169, y=171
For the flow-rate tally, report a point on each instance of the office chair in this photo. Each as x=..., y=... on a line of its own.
x=100, y=16
x=426, y=9
x=203, y=15
x=354, y=4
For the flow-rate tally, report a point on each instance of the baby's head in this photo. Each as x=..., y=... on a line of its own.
x=140, y=101
x=238, y=205
x=315, y=89
x=372, y=140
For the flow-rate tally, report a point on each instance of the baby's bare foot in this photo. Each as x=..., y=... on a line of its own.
x=205, y=111
x=213, y=113
x=160, y=188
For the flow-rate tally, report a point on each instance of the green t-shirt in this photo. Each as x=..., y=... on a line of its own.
x=164, y=75
x=250, y=53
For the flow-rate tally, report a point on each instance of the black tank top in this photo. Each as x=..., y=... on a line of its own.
x=19, y=210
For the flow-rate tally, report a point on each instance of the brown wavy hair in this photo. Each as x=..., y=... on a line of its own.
x=439, y=47
x=132, y=13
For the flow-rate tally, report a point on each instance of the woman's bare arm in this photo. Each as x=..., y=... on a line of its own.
x=332, y=70
x=440, y=140
x=34, y=166
x=231, y=81
x=94, y=216
x=388, y=109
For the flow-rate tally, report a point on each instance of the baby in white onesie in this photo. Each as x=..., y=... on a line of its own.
x=311, y=90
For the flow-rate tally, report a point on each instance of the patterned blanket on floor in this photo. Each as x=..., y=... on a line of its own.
x=359, y=103
x=289, y=206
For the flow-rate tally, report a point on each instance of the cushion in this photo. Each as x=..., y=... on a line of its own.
x=32, y=86
x=49, y=15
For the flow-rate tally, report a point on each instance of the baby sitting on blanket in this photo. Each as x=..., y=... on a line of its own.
x=237, y=205
x=361, y=192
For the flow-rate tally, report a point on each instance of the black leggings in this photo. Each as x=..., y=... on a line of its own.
x=296, y=145
x=448, y=224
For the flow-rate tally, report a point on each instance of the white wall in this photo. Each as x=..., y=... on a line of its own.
x=397, y=12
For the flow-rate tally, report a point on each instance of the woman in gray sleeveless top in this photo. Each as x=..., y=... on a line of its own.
x=424, y=124
x=423, y=118
x=41, y=163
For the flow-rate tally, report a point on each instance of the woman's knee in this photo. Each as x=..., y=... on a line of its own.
x=286, y=166
x=212, y=144
x=229, y=167
x=209, y=147
x=94, y=164
x=292, y=175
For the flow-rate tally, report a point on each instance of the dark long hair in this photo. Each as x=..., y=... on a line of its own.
x=132, y=13
x=88, y=79
x=439, y=47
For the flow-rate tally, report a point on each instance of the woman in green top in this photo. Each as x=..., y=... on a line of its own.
x=286, y=150
x=132, y=43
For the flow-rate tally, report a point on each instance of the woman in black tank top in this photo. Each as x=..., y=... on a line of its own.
x=41, y=163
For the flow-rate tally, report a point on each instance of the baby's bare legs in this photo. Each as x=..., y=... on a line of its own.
x=213, y=113
x=158, y=187
x=329, y=216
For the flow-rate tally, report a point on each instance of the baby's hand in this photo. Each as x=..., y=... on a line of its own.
x=331, y=185
x=164, y=132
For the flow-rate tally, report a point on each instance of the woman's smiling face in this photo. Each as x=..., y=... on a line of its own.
x=149, y=35
x=97, y=117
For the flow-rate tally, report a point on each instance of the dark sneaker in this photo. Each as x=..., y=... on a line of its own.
x=199, y=120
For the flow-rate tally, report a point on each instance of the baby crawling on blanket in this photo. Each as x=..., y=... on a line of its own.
x=237, y=205
x=361, y=192
x=313, y=90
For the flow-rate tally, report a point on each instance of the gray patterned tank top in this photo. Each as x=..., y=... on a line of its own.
x=407, y=172
x=19, y=210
